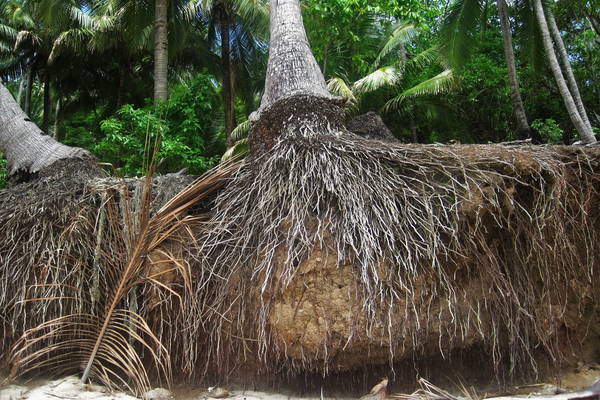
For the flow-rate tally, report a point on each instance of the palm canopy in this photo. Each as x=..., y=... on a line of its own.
x=247, y=24
x=467, y=20
x=396, y=86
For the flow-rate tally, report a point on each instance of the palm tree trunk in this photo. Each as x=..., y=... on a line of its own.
x=47, y=102
x=585, y=134
x=29, y=89
x=522, y=131
x=121, y=94
x=26, y=149
x=292, y=68
x=21, y=86
x=566, y=67
x=403, y=53
x=227, y=90
x=413, y=131
x=296, y=100
x=58, y=136
x=161, y=51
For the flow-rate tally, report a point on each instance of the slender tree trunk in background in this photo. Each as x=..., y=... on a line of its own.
x=21, y=86
x=585, y=134
x=47, y=102
x=325, y=58
x=29, y=89
x=566, y=67
x=403, y=53
x=161, y=51
x=227, y=90
x=26, y=149
x=413, y=131
x=522, y=131
x=57, y=134
x=121, y=94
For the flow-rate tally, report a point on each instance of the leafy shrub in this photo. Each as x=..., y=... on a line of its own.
x=3, y=172
x=549, y=130
x=185, y=125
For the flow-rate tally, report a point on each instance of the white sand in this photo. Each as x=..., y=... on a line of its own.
x=71, y=388
x=67, y=388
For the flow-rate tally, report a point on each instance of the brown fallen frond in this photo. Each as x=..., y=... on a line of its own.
x=429, y=392
x=108, y=343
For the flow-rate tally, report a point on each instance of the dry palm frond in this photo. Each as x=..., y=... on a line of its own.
x=104, y=334
x=428, y=392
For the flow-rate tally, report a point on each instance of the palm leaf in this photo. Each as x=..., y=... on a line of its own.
x=384, y=76
x=530, y=38
x=107, y=342
x=25, y=38
x=440, y=83
x=458, y=31
x=338, y=87
x=423, y=60
x=402, y=33
x=76, y=40
x=241, y=131
x=238, y=150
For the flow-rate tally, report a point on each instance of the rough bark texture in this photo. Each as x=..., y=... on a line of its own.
x=160, y=51
x=522, y=131
x=301, y=116
x=586, y=135
x=24, y=146
x=296, y=102
x=292, y=68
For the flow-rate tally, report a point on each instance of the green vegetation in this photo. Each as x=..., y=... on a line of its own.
x=2, y=172
x=185, y=126
x=83, y=70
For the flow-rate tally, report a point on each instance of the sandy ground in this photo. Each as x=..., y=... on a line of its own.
x=71, y=388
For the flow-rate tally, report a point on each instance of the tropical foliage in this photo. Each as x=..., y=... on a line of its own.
x=74, y=65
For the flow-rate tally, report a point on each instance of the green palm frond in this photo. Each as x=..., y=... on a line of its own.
x=83, y=19
x=71, y=41
x=19, y=16
x=458, y=32
x=241, y=131
x=423, y=60
x=441, y=83
x=8, y=33
x=403, y=33
x=238, y=150
x=254, y=14
x=529, y=35
x=26, y=39
x=384, y=76
x=339, y=87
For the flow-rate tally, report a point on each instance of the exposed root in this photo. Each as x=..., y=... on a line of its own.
x=332, y=251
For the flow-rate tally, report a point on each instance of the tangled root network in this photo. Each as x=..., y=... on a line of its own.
x=400, y=251
x=330, y=253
